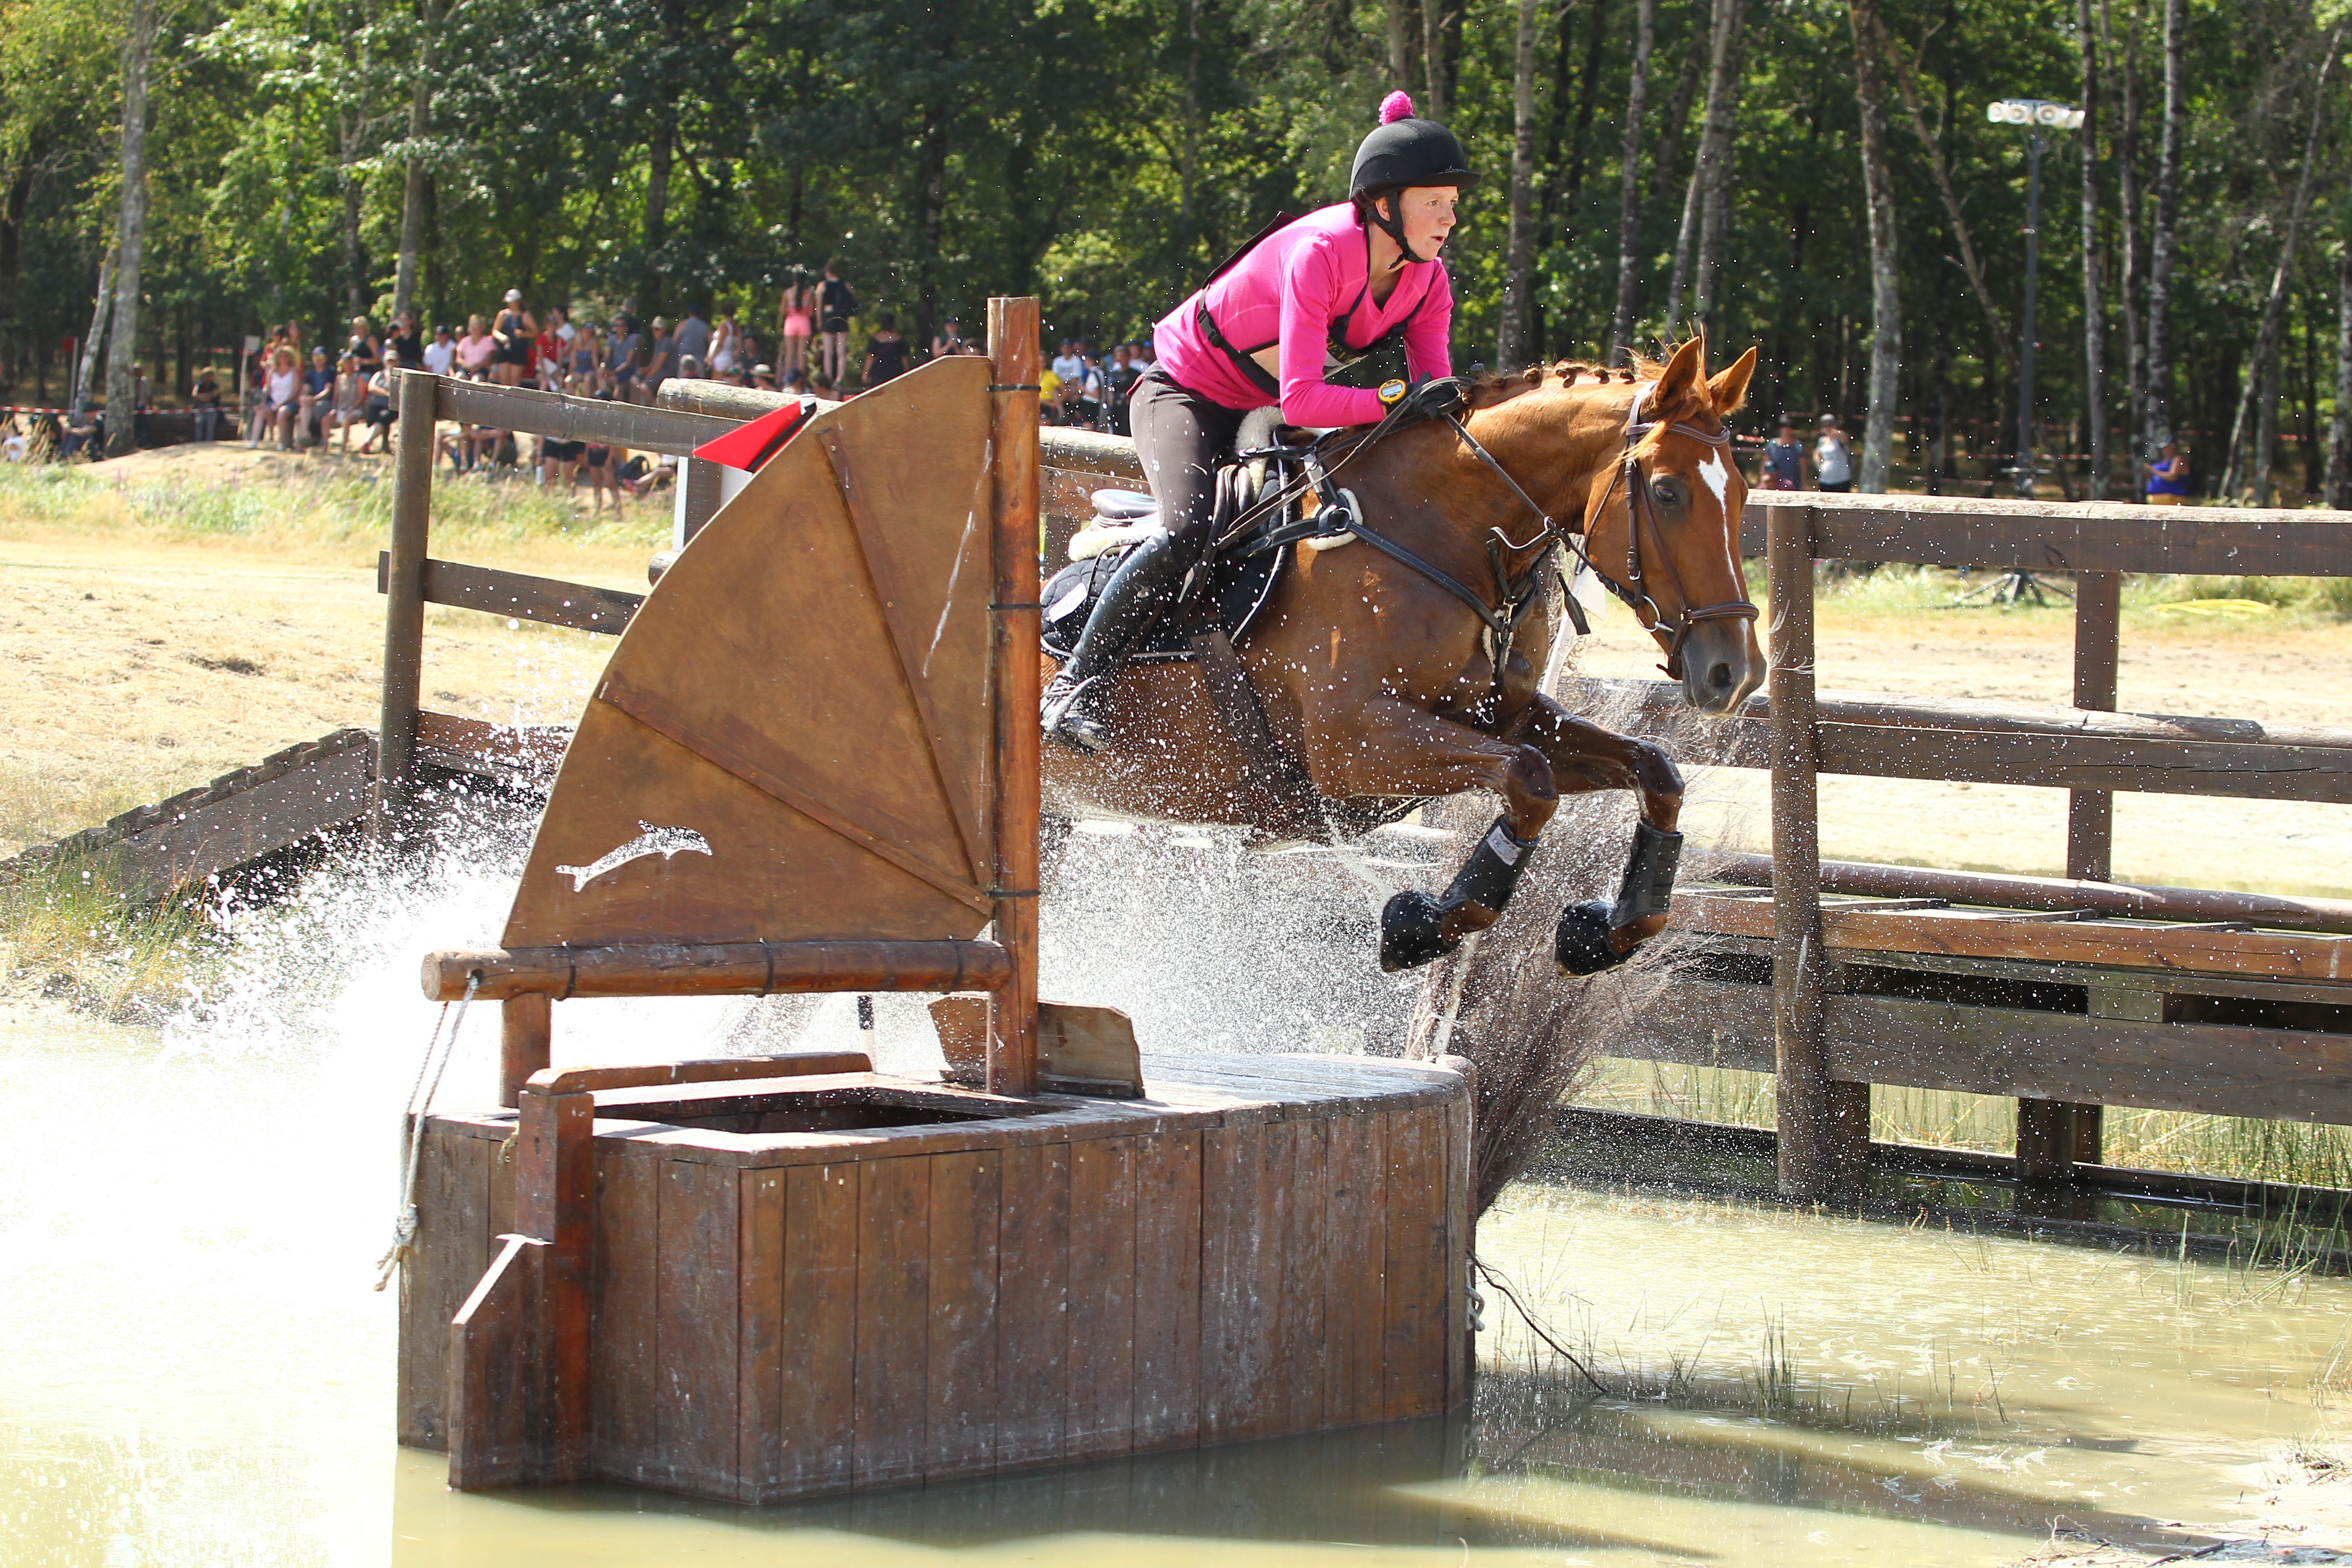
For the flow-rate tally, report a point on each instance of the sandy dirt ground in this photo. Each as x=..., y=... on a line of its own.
x=2296, y=1510
x=133, y=665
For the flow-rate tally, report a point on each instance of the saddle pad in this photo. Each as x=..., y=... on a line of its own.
x=1237, y=589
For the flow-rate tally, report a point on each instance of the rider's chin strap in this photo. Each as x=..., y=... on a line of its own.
x=1393, y=224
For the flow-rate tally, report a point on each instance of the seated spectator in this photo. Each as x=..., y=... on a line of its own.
x=763, y=376
x=440, y=355
x=378, y=412
x=477, y=350
x=87, y=439
x=281, y=395
x=661, y=360
x=204, y=397
x=13, y=441
x=950, y=339
x=547, y=352
x=2168, y=477
x=318, y=393
x=624, y=349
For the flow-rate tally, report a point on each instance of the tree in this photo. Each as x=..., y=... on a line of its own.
x=1629, y=222
x=416, y=189
x=2163, y=242
x=2094, y=347
x=1885, y=286
x=1511, y=344
x=1713, y=146
x=129, y=231
x=2337, y=486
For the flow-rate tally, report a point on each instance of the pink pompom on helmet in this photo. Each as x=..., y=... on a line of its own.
x=1396, y=106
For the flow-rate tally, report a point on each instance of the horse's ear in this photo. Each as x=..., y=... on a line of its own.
x=1678, y=383
x=1729, y=388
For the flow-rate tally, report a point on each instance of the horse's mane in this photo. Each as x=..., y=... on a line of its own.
x=1489, y=388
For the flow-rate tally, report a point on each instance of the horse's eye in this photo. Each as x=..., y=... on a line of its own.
x=1666, y=492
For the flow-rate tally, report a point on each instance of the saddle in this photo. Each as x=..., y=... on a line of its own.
x=1223, y=593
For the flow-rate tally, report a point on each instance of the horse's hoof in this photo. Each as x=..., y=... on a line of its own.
x=1079, y=733
x=1580, y=946
x=1408, y=936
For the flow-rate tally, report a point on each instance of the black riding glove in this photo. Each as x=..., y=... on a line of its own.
x=1433, y=398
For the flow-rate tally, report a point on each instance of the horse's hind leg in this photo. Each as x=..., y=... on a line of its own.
x=1593, y=935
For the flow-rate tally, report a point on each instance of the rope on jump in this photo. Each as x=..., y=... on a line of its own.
x=420, y=1101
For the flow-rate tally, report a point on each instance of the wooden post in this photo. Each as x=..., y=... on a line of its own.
x=2054, y=1136
x=1821, y=1150
x=698, y=479
x=555, y=1191
x=1013, y=349
x=526, y=1042
x=403, y=615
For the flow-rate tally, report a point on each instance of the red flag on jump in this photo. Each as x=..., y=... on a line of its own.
x=749, y=446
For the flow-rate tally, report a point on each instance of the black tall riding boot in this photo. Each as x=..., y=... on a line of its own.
x=1144, y=586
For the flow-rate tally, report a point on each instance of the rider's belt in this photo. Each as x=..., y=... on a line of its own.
x=1255, y=373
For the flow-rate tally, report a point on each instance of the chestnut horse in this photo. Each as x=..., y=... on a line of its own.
x=1378, y=678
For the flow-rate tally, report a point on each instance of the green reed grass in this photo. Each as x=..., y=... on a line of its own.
x=67, y=933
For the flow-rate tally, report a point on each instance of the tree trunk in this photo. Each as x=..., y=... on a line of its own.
x=2265, y=354
x=1432, y=56
x=2337, y=491
x=1629, y=221
x=1885, y=295
x=2159, y=429
x=2128, y=279
x=1722, y=27
x=88, y=363
x=2095, y=332
x=1400, y=43
x=1940, y=167
x=415, y=179
x=930, y=228
x=660, y=158
x=130, y=230
x=13, y=345
x=1518, y=266
x=1677, y=124
x=1714, y=172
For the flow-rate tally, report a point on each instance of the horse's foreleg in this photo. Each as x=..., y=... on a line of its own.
x=1393, y=749
x=1593, y=935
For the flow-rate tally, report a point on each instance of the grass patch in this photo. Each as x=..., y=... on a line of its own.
x=66, y=934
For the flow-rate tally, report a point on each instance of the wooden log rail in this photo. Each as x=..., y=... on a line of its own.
x=2090, y=751
x=714, y=969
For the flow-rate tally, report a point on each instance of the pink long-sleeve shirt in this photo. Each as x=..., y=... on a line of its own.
x=1294, y=288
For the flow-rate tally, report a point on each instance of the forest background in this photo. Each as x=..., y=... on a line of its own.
x=1815, y=177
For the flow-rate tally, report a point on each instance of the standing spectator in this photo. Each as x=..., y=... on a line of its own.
x=795, y=315
x=363, y=345
x=1090, y=393
x=512, y=331
x=477, y=350
x=1833, y=459
x=836, y=303
x=693, y=336
x=722, y=347
x=949, y=340
x=440, y=355
x=624, y=350
x=206, y=398
x=1070, y=364
x=661, y=359
x=281, y=393
x=559, y=465
x=886, y=353
x=317, y=396
x=406, y=339
x=1784, y=460
x=2168, y=477
x=1117, y=382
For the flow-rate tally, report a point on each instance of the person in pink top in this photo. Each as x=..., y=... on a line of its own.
x=1353, y=293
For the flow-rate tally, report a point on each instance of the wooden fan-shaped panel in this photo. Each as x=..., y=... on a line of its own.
x=791, y=741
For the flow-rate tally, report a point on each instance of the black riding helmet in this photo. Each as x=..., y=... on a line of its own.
x=1404, y=150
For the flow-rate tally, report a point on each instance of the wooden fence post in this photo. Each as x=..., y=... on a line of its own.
x=1013, y=349
x=2054, y=1136
x=1824, y=1126
x=403, y=617
x=555, y=1194
x=699, y=488
x=526, y=1041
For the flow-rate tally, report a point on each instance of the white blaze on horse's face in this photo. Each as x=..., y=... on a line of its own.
x=1718, y=478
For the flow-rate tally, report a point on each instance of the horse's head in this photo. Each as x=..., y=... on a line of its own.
x=1664, y=528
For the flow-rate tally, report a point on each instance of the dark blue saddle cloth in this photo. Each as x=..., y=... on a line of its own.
x=1222, y=594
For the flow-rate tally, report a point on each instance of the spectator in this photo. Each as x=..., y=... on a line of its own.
x=794, y=313
x=1833, y=459
x=2168, y=477
x=722, y=347
x=763, y=376
x=598, y=461
x=363, y=345
x=349, y=405
x=693, y=337
x=886, y=353
x=407, y=339
x=317, y=396
x=1143, y=356
x=836, y=303
x=624, y=350
x=512, y=333
x=580, y=370
x=477, y=350
x=378, y=410
x=206, y=398
x=281, y=395
x=1118, y=383
x=440, y=356
x=1784, y=460
x=950, y=339
x=87, y=439
x=13, y=441
x=559, y=465
x=1070, y=364
x=661, y=359
x=824, y=388
x=1049, y=397
x=547, y=353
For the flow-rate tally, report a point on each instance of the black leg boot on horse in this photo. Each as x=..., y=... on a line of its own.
x=1144, y=586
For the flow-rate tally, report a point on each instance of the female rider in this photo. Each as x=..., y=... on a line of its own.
x=1359, y=280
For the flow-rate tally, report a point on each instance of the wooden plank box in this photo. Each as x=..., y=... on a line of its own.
x=1261, y=1245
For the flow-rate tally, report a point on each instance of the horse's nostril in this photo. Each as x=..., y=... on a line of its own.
x=1718, y=676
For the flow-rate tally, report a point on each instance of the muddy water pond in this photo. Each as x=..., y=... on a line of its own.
x=197, y=1373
